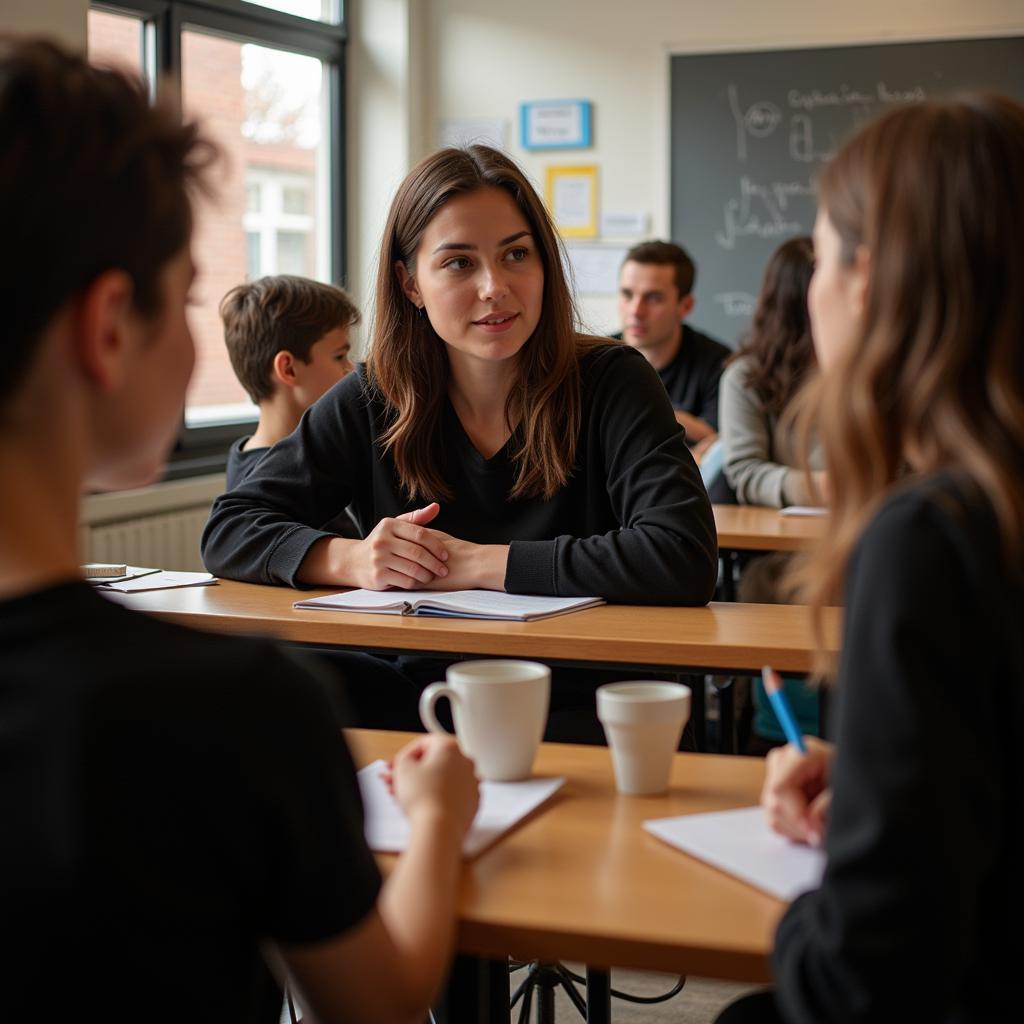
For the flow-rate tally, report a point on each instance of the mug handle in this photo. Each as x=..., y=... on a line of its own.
x=428, y=698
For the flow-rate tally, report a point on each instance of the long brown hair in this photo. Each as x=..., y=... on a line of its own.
x=778, y=345
x=933, y=194
x=408, y=364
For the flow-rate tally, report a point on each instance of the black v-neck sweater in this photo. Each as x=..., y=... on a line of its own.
x=633, y=524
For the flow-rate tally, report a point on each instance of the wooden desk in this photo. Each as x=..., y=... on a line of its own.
x=723, y=638
x=752, y=528
x=580, y=880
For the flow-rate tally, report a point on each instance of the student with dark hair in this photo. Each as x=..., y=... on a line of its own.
x=655, y=299
x=288, y=341
x=486, y=443
x=917, y=314
x=761, y=457
x=762, y=464
x=179, y=809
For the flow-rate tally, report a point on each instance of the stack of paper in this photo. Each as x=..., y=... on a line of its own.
x=138, y=579
x=502, y=804
x=741, y=843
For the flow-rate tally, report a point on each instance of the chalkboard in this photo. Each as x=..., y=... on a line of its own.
x=750, y=131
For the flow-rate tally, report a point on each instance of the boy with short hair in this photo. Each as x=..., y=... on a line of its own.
x=288, y=341
x=179, y=808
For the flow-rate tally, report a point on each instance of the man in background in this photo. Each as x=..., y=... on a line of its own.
x=655, y=298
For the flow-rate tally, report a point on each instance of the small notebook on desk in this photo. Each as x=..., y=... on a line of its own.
x=502, y=805
x=459, y=604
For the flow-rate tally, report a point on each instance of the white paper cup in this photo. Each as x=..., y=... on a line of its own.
x=643, y=722
x=500, y=708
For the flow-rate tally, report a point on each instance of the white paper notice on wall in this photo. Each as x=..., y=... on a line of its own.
x=595, y=268
x=465, y=131
x=573, y=201
x=624, y=222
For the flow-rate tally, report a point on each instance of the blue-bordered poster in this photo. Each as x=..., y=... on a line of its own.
x=555, y=124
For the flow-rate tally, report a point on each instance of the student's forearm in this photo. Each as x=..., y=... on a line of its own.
x=417, y=903
x=492, y=566
x=696, y=428
x=327, y=562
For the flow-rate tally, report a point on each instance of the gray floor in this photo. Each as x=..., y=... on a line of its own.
x=699, y=1003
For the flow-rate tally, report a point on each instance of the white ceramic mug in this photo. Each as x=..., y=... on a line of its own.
x=643, y=722
x=500, y=708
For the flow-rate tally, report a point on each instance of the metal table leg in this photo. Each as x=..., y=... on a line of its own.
x=477, y=992
x=599, y=996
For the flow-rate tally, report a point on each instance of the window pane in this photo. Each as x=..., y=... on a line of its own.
x=293, y=199
x=317, y=10
x=265, y=108
x=252, y=255
x=116, y=40
x=291, y=252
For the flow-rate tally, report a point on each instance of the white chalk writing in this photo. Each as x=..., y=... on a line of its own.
x=736, y=303
x=759, y=211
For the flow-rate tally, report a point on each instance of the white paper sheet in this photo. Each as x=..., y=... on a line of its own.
x=804, y=510
x=161, y=581
x=595, y=269
x=741, y=843
x=502, y=804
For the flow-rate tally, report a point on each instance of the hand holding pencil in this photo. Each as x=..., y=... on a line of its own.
x=796, y=795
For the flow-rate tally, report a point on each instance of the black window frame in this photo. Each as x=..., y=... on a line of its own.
x=203, y=450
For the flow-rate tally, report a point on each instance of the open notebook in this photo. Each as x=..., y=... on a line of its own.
x=461, y=604
x=502, y=805
x=741, y=843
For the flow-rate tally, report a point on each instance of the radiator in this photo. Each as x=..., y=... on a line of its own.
x=157, y=526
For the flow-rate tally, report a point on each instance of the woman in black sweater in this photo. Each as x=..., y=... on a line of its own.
x=917, y=311
x=485, y=443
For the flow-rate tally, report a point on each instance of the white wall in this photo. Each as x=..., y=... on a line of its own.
x=481, y=58
x=62, y=19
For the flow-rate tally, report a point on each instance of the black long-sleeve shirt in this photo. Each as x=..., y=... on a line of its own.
x=918, y=916
x=633, y=524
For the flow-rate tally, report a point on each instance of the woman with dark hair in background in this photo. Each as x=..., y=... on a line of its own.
x=761, y=379
x=918, y=318
x=486, y=443
x=760, y=449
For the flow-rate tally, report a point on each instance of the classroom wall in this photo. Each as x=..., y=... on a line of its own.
x=412, y=63
x=481, y=58
x=64, y=19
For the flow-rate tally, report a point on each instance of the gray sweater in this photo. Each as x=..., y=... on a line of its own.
x=761, y=461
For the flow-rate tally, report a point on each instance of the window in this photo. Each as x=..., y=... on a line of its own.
x=319, y=10
x=282, y=229
x=264, y=79
x=118, y=40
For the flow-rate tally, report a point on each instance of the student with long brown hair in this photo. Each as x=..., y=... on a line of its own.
x=762, y=464
x=917, y=312
x=486, y=442
x=761, y=451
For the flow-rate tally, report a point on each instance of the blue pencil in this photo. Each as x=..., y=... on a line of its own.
x=780, y=705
